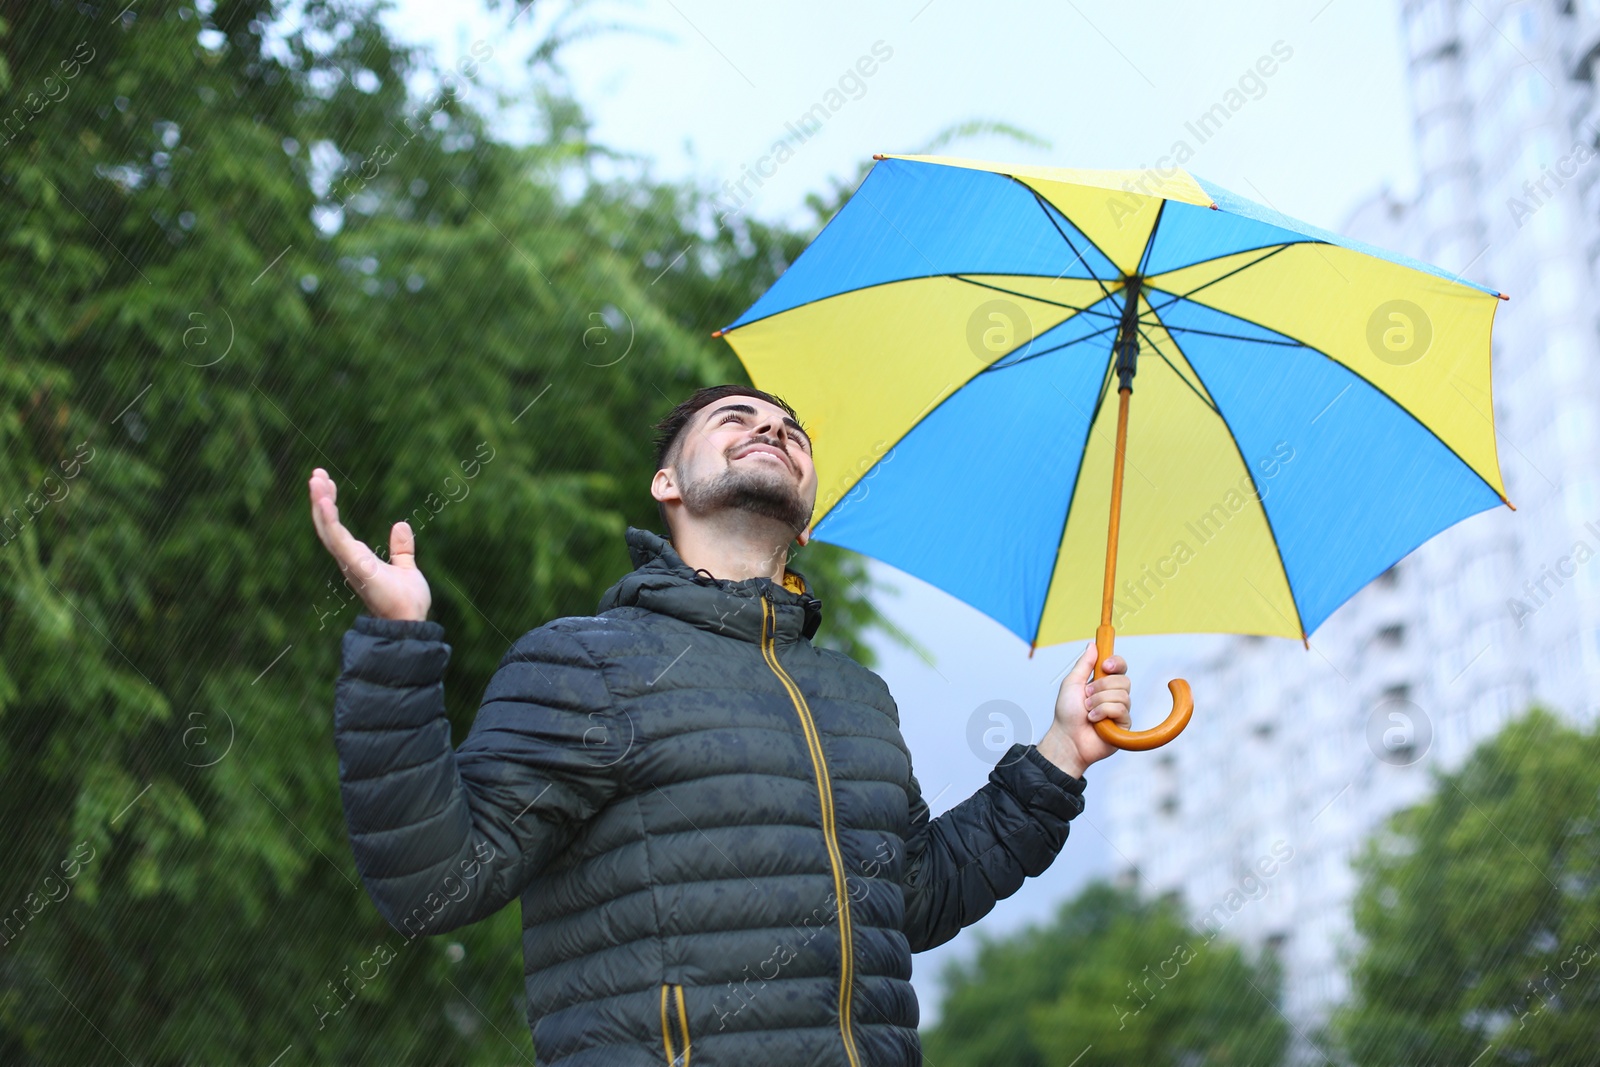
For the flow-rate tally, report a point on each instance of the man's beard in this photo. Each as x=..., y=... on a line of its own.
x=749, y=491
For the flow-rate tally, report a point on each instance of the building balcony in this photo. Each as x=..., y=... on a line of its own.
x=1584, y=45
x=1430, y=28
x=1591, y=112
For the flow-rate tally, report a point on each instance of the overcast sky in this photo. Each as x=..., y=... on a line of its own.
x=703, y=88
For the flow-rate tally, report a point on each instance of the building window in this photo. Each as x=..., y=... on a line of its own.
x=1391, y=636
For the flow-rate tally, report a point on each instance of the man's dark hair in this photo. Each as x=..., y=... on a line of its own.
x=669, y=431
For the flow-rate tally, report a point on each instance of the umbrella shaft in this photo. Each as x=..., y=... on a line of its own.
x=1108, y=594
x=1127, y=345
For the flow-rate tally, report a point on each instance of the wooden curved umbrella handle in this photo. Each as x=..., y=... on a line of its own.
x=1156, y=736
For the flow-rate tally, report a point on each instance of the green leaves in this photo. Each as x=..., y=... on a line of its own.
x=1479, y=911
x=168, y=637
x=1114, y=980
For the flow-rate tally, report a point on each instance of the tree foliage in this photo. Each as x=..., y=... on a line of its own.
x=240, y=245
x=1479, y=912
x=1114, y=980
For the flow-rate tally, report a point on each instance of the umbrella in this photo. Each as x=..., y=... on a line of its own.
x=1310, y=408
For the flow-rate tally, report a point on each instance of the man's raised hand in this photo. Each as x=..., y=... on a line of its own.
x=393, y=590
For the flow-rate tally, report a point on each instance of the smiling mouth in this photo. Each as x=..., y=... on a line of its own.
x=764, y=452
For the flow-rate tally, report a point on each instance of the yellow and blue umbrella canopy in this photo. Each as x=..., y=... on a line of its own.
x=1306, y=409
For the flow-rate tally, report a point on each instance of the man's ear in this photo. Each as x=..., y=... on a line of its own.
x=664, y=487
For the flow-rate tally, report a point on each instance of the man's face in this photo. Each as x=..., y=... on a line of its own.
x=743, y=452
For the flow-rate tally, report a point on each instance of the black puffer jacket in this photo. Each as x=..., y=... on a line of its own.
x=722, y=853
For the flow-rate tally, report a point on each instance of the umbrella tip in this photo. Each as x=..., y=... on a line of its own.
x=879, y=155
x=1502, y=296
x=716, y=333
x=1507, y=502
x=1031, y=647
x=1215, y=208
x=1305, y=640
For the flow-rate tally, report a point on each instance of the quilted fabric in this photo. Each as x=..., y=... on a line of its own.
x=722, y=853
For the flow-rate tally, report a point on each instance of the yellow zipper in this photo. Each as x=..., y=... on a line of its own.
x=673, y=1059
x=829, y=832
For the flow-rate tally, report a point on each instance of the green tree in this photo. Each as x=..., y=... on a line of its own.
x=1479, y=911
x=237, y=247
x=1114, y=980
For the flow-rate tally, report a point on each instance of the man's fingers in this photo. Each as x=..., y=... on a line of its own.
x=324, y=505
x=1117, y=711
x=402, y=545
x=1104, y=698
x=1080, y=670
x=1109, y=697
x=351, y=554
x=1111, y=682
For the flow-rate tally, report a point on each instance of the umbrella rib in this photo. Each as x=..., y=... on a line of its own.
x=1207, y=401
x=1089, y=310
x=1043, y=206
x=1077, y=481
x=882, y=284
x=1295, y=342
x=997, y=365
x=1220, y=277
x=1227, y=336
x=1150, y=239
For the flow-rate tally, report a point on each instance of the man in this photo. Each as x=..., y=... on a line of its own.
x=721, y=850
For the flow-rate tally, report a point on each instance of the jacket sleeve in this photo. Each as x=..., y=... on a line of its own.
x=961, y=864
x=444, y=837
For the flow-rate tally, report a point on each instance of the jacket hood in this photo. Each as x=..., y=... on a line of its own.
x=662, y=582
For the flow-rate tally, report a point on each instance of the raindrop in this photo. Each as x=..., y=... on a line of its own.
x=290, y=145
x=414, y=282
x=418, y=187
x=121, y=102
x=308, y=283
x=186, y=219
